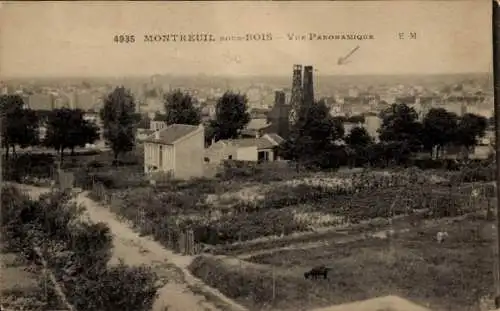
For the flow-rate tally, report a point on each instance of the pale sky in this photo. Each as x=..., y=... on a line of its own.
x=76, y=39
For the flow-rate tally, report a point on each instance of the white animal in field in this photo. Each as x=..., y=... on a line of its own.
x=441, y=236
x=475, y=193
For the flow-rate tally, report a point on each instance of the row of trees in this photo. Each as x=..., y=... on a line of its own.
x=320, y=138
x=315, y=137
x=231, y=114
x=121, y=121
x=67, y=128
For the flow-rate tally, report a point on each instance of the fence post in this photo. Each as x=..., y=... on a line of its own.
x=189, y=242
x=181, y=242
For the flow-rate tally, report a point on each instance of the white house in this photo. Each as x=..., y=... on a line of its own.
x=176, y=149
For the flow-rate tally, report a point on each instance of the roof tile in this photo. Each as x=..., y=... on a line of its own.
x=170, y=134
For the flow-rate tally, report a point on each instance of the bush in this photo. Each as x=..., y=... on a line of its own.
x=114, y=179
x=32, y=165
x=258, y=172
x=426, y=164
x=116, y=288
x=287, y=195
x=77, y=251
x=247, y=226
x=479, y=174
x=17, y=215
x=197, y=187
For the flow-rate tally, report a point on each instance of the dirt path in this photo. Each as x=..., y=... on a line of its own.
x=177, y=282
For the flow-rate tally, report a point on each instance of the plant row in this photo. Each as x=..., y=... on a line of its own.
x=163, y=213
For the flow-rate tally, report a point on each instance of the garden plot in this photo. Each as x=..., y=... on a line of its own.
x=448, y=276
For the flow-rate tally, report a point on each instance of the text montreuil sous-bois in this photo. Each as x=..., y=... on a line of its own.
x=208, y=37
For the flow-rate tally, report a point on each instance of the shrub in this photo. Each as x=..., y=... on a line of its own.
x=478, y=174
x=33, y=165
x=17, y=214
x=247, y=226
x=113, y=179
x=259, y=172
x=116, y=288
x=77, y=251
x=287, y=195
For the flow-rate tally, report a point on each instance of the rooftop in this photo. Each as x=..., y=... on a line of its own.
x=172, y=133
x=267, y=141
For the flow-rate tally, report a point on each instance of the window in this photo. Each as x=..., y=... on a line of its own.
x=230, y=157
x=263, y=156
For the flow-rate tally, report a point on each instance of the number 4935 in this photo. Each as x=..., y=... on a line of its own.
x=124, y=38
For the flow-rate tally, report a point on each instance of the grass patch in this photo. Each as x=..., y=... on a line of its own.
x=449, y=276
x=216, y=301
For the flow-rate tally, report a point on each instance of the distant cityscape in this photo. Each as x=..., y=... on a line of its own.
x=345, y=95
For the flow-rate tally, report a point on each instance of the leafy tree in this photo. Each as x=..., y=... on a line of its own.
x=67, y=129
x=87, y=132
x=313, y=137
x=400, y=124
x=144, y=122
x=119, y=121
x=439, y=129
x=470, y=128
x=160, y=117
x=180, y=109
x=231, y=116
x=491, y=121
x=358, y=137
x=19, y=125
x=209, y=134
x=358, y=142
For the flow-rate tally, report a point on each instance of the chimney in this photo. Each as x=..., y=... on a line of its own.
x=296, y=96
x=308, y=87
x=279, y=98
x=157, y=135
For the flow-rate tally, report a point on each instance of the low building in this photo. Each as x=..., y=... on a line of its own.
x=256, y=128
x=262, y=149
x=157, y=125
x=176, y=150
x=41, y=101
x=143, y=134
x=372, y=125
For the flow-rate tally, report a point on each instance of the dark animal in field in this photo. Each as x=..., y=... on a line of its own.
x=317, y=272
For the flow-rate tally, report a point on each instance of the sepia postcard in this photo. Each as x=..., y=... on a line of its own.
x=244, y=156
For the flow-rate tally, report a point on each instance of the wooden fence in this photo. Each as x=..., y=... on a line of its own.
x=64, y=180
x=177, y=240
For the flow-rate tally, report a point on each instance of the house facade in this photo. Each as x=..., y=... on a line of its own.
x=262, y=149
x=177, y=150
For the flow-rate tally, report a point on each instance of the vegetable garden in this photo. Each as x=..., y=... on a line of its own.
x=283, y=207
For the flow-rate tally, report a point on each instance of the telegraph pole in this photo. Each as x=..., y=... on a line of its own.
x=496, y=67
